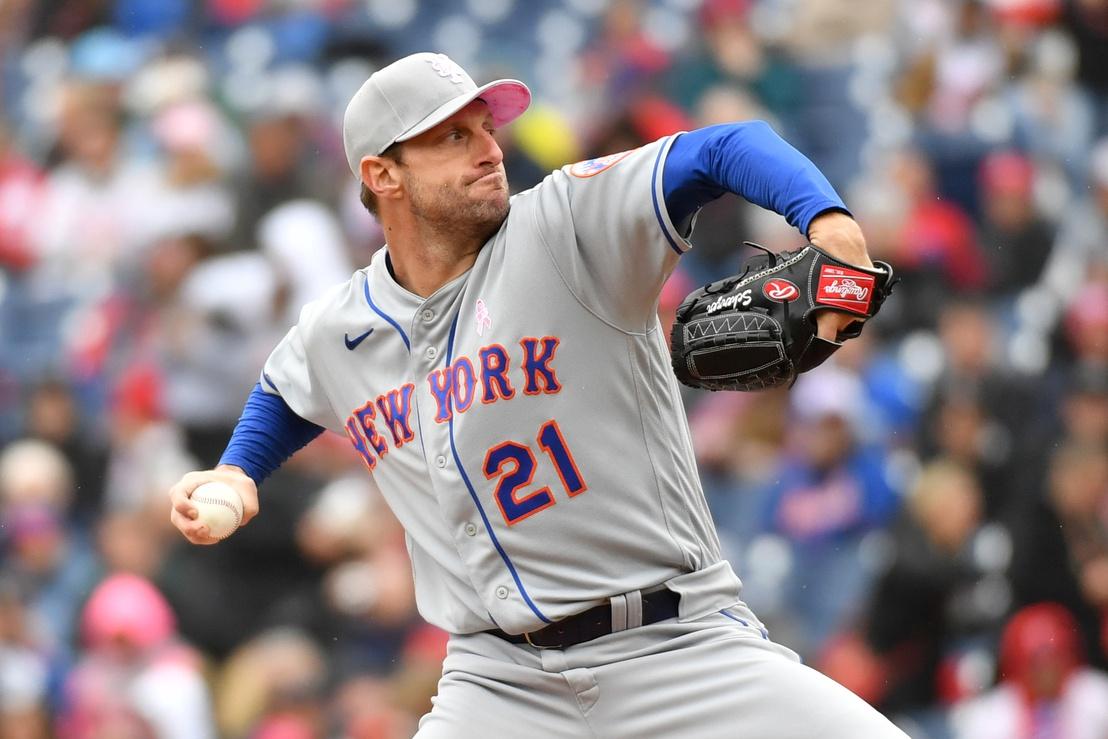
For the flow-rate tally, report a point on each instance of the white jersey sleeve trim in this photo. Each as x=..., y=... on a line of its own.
x=676, y=241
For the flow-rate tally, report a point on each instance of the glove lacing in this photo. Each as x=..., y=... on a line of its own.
x=773, y=263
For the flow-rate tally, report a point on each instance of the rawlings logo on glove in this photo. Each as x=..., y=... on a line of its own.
x=781, y=291
x=848, y=289
x=758, y=330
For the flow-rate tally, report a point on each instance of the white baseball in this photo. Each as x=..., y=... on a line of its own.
x=218, y=507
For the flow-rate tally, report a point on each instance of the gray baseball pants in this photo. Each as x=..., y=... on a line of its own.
x=718, y=676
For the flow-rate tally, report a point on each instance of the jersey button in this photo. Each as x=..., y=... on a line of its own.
x=471, y=530
x=440, y=461
x=431, y=352
x=502, y=592
x=427, y=315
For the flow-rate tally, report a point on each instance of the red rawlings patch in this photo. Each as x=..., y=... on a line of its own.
x=780, y=291
x=846, y=289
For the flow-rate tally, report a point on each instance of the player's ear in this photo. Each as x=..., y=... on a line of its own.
x=382, y=176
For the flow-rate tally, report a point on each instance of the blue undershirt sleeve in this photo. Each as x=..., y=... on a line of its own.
x=748, y=159
x=268, y=433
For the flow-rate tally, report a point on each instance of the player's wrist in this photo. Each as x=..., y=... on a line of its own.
x=839, y=234
x=243, y=483
x=232, y=468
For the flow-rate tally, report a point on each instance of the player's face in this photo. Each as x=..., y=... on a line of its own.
x=454, y=173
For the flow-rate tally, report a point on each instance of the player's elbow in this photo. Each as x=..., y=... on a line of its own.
x=727, y=142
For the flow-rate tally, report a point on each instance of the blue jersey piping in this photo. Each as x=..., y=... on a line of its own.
x=657, y=209
x=473, y=493
x=762, y=631
x=384, y=315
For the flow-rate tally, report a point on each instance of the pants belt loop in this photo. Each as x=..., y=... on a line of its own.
x=634, y=609
x=619, y=612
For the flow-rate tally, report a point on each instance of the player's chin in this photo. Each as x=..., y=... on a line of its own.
x=493, y=204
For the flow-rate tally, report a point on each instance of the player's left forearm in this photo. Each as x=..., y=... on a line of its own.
x=750, y=160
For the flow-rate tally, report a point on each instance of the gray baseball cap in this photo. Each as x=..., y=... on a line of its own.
x=414, y=94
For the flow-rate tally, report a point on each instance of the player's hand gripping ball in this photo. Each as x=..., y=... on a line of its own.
x=757, y=330
x=218, y=507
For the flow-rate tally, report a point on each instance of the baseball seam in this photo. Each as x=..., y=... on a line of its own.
x=222, y=502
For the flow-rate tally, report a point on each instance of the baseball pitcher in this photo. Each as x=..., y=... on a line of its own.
x=500, y=368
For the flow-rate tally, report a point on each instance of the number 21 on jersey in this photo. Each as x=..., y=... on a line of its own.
x=514, y=465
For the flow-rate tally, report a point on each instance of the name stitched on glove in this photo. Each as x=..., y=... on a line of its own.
x=730, y=301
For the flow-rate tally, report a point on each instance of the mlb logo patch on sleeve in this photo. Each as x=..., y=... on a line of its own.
x=591, y=167
x=846, y=289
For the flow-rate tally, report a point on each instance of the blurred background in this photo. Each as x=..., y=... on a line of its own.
x=924, y=518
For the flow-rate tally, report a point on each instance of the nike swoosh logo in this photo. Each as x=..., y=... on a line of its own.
x=352, y=344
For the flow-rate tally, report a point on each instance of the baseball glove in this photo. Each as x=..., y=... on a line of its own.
x=757, y=330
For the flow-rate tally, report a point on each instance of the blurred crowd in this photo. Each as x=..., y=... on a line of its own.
x=924, y=518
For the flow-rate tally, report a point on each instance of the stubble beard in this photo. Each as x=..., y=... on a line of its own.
x=454, y=213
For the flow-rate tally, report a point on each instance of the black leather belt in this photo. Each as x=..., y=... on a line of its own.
x=593, y=623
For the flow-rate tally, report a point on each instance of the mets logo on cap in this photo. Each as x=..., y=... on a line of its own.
x=591, y=167
x=445, y=67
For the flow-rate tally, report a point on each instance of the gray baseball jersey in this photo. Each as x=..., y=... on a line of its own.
x=523, y=422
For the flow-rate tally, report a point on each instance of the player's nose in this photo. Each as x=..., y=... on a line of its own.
x=488, y=150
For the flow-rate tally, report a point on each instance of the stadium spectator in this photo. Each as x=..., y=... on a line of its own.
x=830, y=489
x=730, y=55
x=273, y=682
x=1045, y=688
x=1080, y=246
x=169, y=179
x=1085, y=405
x=25, y=670
x=936, y=248
x=90, y=223
x=1061, y=549
x=942, y=591
x=282, y=165
x=1085, y=321
x=1087, y=20
x=50, y=560
x=978, y=409
x=189, y=195
x=20, y=190
x=53, y=415
x=1015, y=236
x=135, y=678
x=1053, y=117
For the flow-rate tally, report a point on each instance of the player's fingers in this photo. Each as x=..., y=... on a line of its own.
x=196, y=533
x=828, y=325
x=180, y=502
x=249, y=496
x=831, y=324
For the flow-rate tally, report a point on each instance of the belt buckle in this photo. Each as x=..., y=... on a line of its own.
x=527, y=636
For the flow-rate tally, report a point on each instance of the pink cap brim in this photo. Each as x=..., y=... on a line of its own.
x=507, y=99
